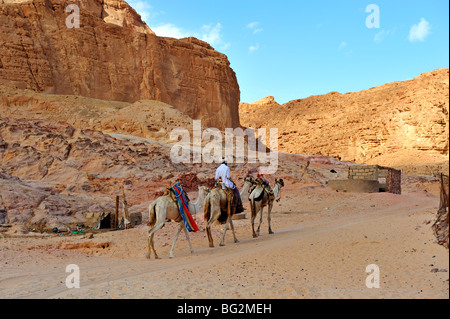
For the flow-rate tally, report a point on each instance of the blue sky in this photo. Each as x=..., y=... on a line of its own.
x=293, y=49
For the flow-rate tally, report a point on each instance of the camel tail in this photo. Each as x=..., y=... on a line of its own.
x=152, y=214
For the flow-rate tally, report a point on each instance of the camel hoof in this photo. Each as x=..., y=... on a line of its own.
x=236, y=241
x=254, y=235
x=148, y=256
x=193, y=252
x=271, y=232
x=221, y=244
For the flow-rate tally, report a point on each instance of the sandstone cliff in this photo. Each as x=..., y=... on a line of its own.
x=148, y=119
x=397, y=124
x=113, y=56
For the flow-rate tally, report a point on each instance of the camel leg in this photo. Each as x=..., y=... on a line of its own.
x=171, y=255
x=151, y=233
x=260, y=220
x=151, y=246
x=253, y=205
x=214, y=209
x=232, y=229
x=189, y=240
x=208, y=232
x=152, y=243
x=222, y=243
x=149, y=250
x=269, y=210
x=229, y=223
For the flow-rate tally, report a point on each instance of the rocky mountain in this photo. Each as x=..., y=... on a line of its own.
x=114, y=56
x=398, y=124
x=148, y=119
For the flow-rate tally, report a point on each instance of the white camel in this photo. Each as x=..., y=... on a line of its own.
x=218, y=207
x=163, y=208
x=259, y=198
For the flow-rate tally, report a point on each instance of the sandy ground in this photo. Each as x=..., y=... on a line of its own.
x=323, y=242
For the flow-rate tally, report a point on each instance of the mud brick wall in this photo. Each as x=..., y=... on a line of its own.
x=369, y=172
x=392, y=177
x=394, y=181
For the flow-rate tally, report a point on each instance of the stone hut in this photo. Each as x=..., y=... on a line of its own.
x=390, y=179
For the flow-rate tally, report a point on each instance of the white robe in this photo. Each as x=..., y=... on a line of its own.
x=223, y=172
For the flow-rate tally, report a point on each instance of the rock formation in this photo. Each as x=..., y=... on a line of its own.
x=52, y=172
x=397, y=124
x=153, y=120
x=113, y=55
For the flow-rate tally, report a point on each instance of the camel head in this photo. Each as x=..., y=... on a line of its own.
x=205, y=189
x=249, y=179
x=279, y=182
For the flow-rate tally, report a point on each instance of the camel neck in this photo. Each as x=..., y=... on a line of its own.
x=245, y=188
x=276, y=189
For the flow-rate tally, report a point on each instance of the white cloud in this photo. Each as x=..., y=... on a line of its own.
x=254, y=27
x=211, y=34
x=170, y=30
x=342, y=45
x=208, y=32
x=143, y=8
x=380, y=36
x=420, y=31
x=253, y=48
x=226, y=46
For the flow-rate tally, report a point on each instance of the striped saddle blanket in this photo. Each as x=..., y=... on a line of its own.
x=183, y=205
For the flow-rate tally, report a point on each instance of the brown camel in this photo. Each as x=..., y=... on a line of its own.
x=220, y=205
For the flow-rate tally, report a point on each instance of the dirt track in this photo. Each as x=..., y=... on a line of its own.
x=320, y=249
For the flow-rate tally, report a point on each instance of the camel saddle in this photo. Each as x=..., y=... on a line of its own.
x=231, y=197
x=266, y=189
x=182, y=202
x=169, y=192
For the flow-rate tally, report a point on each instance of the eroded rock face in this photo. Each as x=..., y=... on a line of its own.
x=113, y=56
x=400, y=123
x=51, y=172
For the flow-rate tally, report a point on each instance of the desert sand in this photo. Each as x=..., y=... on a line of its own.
x=69, y=140
x=323, y=242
